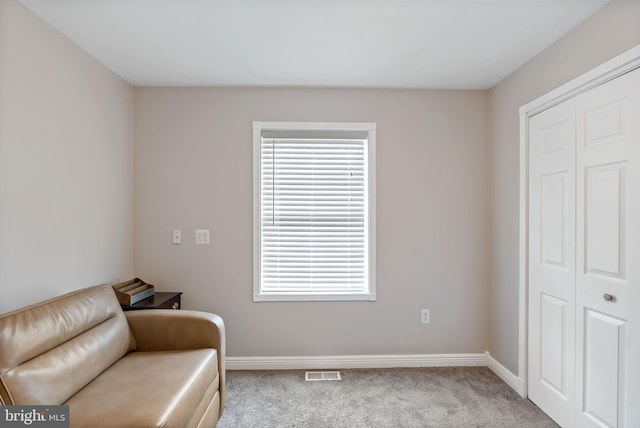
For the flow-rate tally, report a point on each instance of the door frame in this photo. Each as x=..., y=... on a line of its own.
x=619, y=65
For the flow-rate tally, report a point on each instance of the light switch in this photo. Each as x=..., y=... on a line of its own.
x=177, y=237
x=202, y=236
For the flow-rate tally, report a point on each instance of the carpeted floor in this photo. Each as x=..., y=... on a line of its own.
x=377, y=398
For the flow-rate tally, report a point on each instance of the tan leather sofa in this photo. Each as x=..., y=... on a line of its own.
x=153, y=368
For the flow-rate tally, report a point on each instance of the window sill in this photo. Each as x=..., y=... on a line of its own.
x=342, y=297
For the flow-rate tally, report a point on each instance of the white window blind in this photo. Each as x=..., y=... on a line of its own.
x=314, y=213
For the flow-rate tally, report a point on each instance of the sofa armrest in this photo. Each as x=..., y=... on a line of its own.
x=168, y=329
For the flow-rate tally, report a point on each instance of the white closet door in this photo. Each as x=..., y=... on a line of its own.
x=608, y=254
x=552, y=261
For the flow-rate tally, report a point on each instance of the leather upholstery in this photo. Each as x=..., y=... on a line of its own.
x=168, y=329
x=148, y=389
x=77, y=349
x=51, y=350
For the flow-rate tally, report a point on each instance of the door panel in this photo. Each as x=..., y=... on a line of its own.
x=605, y=218
x=553, y=359
x=606, y=123
x=604, y=367
x=552, y=261
x=553, y=220
x=608, y=249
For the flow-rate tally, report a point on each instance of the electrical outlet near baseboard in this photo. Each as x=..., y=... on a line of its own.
x=425, y=316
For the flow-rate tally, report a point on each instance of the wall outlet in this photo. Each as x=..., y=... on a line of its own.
x=425, y=317
x=177, y=237
x=202, y=236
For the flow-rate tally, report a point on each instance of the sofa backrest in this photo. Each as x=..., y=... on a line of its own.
x=50, y=350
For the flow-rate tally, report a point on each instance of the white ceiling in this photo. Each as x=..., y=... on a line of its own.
x=453, y=44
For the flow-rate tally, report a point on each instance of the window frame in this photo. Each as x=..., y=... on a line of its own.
x=370, y=129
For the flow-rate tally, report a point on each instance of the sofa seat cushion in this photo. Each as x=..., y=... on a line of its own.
x=148, y=389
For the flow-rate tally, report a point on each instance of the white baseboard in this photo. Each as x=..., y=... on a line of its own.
x=355, y=361
x=379, y=362
x=517, y=383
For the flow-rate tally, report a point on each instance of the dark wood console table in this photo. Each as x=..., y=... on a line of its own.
x=160, y=300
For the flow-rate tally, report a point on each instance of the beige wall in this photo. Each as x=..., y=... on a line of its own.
x=609, y=32
x=66, y=142
x=193, y=169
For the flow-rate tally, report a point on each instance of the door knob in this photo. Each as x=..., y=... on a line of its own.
x=609, y=297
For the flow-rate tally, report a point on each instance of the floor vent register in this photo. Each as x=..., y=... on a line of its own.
x=316, y=376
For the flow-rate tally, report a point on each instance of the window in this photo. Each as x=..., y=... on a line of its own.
x=314, y=211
